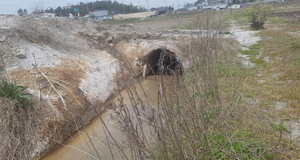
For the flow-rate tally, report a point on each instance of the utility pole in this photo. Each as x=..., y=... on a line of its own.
x=123, y=8
x=87, y=7
x=106, y=5
x=147, y=5
x=42, y=5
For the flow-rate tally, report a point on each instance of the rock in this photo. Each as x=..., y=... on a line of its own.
x=110, y=39
x=127, y=26
x=252, y=102
x=148, y=35
x=131, y=26
x=99, y=35
x=32, y=72
x=280, y=105
x=3, y=38
x=260, y=75
x=261, y=81
x=21, y=56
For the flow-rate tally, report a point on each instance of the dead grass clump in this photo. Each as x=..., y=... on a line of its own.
x=21, y=135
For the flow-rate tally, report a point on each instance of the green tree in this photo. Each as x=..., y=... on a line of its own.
x=112, y=8
x=25, y=11
x=20, y=12
x=58, y=11
x=49, y=10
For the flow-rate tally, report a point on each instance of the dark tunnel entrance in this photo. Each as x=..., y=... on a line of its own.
x=162, y=62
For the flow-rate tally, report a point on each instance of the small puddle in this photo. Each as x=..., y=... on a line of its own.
x=82, y=145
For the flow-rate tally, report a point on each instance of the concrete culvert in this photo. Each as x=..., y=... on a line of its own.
x=161, y=61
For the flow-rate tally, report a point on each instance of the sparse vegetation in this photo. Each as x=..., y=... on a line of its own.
x=250, y=52
x=259, y=63
x=250, y=95
x=188, y=26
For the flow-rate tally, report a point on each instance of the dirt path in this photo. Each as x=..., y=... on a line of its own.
x=162, y=25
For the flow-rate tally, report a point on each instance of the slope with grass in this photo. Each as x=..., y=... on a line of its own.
x=270, y=90
x=221, y=109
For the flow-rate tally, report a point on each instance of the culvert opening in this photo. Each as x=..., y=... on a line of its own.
x=161, y=62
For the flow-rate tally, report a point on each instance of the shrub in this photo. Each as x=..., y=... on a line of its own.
x=15, y=93
x=258, y=14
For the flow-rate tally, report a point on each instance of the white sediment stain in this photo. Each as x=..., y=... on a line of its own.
x=41, y=56
x=246, y=39
x=99, y=82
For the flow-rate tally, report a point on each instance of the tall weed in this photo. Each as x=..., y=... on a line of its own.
x=192, y=120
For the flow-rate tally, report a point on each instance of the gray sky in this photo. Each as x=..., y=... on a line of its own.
x=12, y=6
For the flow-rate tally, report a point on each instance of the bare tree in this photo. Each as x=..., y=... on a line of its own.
x=38, y=8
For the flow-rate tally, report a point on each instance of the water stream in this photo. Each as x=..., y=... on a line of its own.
x=83, y=144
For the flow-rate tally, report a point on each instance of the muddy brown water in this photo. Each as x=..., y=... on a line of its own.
x=83, y=144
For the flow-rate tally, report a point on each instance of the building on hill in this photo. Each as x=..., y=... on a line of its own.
x=192, y=8
x=215, y=6
x=68, y=6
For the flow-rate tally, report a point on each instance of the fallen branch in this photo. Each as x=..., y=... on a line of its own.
x=76, y=149
x=62, y=99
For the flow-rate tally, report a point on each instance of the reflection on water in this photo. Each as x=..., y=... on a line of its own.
x=79, y=146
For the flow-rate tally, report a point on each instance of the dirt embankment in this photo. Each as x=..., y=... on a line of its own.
x=291, y=16
x=70, y=66
x=58, y=65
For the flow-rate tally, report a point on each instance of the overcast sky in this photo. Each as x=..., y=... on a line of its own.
x=12, y=6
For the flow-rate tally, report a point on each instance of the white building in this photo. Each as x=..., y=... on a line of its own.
x=216, y=6
x=100, y=14
x=235, y=6
x=192, y=8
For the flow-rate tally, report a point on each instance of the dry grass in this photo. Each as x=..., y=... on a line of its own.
x=219, y=106
x=216, y=110
x=22, y=132
x=280, y=45
x=202, y=114
x=274, y=95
